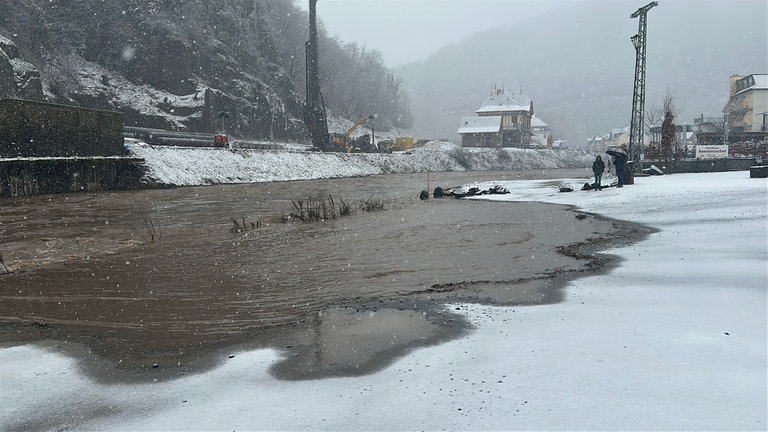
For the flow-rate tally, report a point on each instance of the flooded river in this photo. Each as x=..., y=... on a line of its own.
x=160, y=283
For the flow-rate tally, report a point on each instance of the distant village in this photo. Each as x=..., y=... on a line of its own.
x=507, y=119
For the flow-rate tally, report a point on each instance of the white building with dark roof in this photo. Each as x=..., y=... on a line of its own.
x=480, y=131
x=506, y=122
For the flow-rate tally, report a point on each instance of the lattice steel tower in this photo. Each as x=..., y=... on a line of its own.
x=638, y=98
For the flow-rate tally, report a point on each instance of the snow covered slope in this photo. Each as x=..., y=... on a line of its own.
x=198, y=166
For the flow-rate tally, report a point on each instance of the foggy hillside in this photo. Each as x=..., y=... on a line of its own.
x=577, y=65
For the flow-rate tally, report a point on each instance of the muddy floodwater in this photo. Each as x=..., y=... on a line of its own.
x=160, y=283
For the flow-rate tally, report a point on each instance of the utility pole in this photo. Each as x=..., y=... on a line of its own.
x=314, y=109
x=638, y=96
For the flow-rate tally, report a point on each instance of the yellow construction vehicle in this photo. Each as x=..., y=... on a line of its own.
x=341, y=141
x=403, y=143
x=399, y=144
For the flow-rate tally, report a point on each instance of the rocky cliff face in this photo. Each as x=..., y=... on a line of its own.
x=173, y=64
x=18, y=78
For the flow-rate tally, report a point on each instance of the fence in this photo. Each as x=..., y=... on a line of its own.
x=702, y=165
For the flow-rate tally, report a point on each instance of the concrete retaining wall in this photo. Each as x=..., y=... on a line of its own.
x=37, y=129
x=35, y=176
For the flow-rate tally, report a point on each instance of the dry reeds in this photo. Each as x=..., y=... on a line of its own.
x=3, y=263
x=152, y=230
x=319, y=209
x=249, y=226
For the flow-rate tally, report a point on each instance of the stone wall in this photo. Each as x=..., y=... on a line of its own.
x=37, y=129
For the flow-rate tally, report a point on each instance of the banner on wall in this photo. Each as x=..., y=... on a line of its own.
x=711, y=151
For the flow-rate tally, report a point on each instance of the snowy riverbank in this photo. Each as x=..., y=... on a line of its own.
x=199, y=166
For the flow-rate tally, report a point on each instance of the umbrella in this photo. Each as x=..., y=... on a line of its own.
x=616, y=151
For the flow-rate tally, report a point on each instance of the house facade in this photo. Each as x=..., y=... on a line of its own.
x=481, y=131
x=503, y=120
x=541, y=135
x=747, y=106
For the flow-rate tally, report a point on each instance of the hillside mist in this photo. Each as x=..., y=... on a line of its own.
x=577, y=64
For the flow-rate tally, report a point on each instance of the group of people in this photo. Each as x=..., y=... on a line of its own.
x=598, y=168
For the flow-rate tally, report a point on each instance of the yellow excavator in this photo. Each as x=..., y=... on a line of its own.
x=341, y=141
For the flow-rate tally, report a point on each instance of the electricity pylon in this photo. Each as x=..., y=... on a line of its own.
x=636, y=127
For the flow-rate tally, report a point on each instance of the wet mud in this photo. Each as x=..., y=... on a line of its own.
x=153, y=285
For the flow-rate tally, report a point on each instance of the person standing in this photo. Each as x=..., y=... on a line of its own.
x=620, y=160
x=598, y=167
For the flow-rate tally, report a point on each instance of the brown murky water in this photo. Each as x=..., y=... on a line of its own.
x=160, y=281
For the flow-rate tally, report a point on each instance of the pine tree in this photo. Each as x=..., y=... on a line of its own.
x=667, y=134
x=668, y=127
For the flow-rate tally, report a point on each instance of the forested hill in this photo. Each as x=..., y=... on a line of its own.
x=236, y=65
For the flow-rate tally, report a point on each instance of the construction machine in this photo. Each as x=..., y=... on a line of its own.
x=399, y=144
x=403, y=143
x=341, y=141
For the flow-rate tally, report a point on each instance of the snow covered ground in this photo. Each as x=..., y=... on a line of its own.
x=672, y=339
x=187, y=166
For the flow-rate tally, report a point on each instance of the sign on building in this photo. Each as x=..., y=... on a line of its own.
x=711, y=151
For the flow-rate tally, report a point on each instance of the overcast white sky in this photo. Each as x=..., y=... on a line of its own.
x=405, y=31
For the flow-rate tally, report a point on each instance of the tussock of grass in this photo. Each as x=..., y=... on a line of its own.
x=321, y=209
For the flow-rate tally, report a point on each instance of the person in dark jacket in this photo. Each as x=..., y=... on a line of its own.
x=621, y=168
x=598, y=167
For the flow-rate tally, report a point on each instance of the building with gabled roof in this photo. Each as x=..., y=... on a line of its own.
x=480, y=131
x=747, y=105
x=506, y=122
